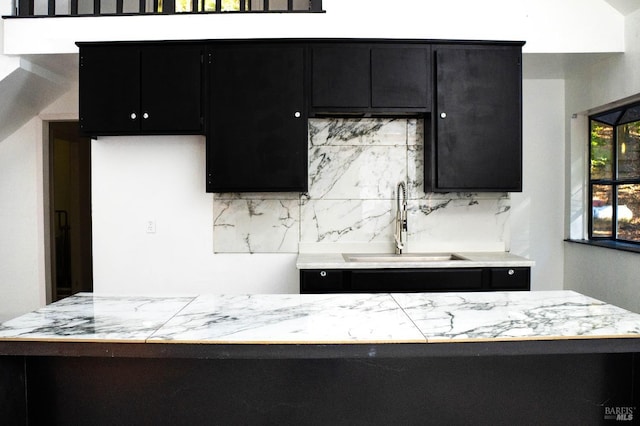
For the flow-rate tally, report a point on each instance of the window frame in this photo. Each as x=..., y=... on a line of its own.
x=614, y=182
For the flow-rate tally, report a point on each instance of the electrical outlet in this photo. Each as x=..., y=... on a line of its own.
x=151, y=226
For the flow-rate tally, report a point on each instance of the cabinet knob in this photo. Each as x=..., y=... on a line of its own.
x=511, y=272
x=133, y=116
x=443, y=115
x=145, y=115
x=297, y=114
x=323, y=273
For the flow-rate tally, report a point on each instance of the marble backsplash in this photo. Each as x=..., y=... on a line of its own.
x=354, y=168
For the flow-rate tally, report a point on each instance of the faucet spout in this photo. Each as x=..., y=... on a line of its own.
x=400, y=234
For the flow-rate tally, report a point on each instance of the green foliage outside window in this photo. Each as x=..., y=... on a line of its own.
x=615, y=180
x=601, y=150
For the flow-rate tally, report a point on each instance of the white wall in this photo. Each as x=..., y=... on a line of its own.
x=609, y=275
x=7, y=64
x=537, y=213
x=606, y=274
x=22, y=284
x=137, y=179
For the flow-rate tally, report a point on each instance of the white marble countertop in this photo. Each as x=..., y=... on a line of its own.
x=325, y=319
x=466, y=260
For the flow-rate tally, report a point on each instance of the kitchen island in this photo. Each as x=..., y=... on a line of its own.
x=452, y=358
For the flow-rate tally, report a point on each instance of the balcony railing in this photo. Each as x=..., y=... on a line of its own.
x=45, y=8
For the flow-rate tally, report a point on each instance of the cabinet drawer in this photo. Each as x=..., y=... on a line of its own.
x=510, y=278
x=321, y=281
x=410, y=280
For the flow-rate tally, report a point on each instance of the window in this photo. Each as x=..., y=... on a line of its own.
x=614, y=178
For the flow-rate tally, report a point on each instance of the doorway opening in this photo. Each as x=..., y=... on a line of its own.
x=70, y=210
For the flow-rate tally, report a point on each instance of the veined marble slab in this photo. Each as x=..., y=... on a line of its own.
x=356, y=172
x=347, y=221
x=281, y=318
x=256, y=226
x=536, y=315
x=362, y=131
x=458, y=222
x=325, y=319
x=85, y=317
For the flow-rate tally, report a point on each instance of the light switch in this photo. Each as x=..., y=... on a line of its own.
x=151, y=226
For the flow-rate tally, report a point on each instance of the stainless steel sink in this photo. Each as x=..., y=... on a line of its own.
x=407, y=257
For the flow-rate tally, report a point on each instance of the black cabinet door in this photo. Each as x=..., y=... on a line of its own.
x=340, y=76
x=109, y=93
x=400, y=77
x=171, y=80
x=370, y=78
x=140, y=89
x=510, y=278
x=322, y=281
x=257, y=139
x=478, y=120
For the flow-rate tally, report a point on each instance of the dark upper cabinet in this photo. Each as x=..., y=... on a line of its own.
x=340, y=77
x=257, y=136
x=109, y=81
x=171, y=89
x=259, y=94
x=366, y=78
x=141, y=89
x=477, y=120
x=400, y=77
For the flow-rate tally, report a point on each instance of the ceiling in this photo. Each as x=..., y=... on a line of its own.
x=625, y=6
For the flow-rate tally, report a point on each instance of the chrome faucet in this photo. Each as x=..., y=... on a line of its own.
x=401, y=218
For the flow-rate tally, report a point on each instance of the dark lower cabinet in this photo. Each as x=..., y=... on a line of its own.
x=410, y=280
x=13, y=389
x=414, y=280
x=393, y=384
x=257, y=139
x=509, y=278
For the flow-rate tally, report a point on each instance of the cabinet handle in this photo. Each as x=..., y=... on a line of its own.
x=443, y=115
x=145, y=115
x=297, y=114
x=323, y=273
x=511, y=272
x=133, y=116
